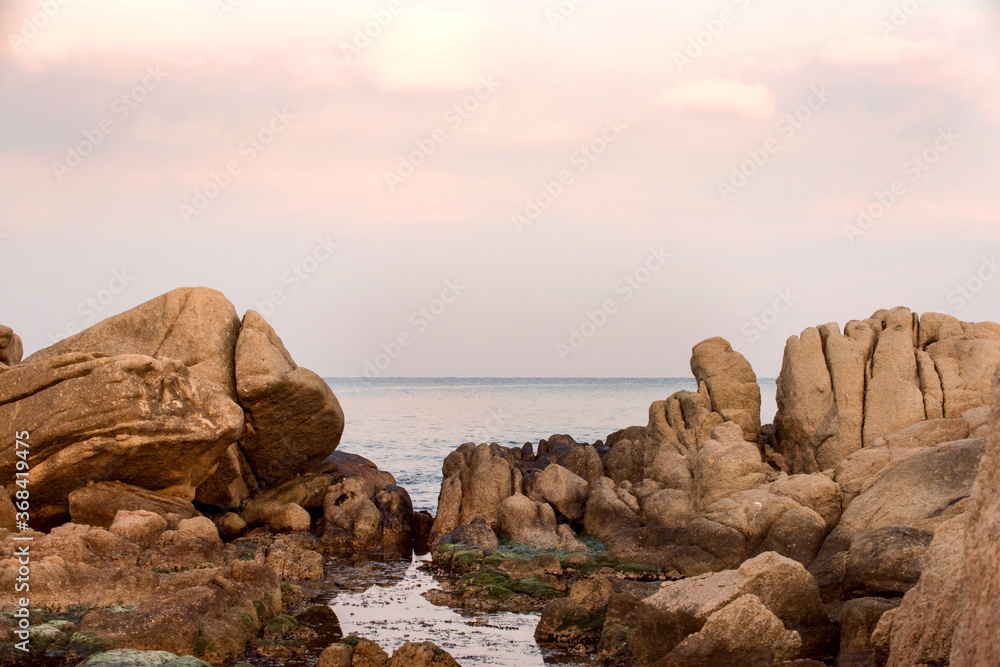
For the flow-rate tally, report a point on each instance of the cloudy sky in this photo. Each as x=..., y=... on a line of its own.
x=512, y=188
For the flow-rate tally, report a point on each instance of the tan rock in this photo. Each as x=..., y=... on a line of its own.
x=129, y=418
x=196, y=326
x=607, y=517
x=477, y=479
x=295, y=421
x=583, y=461
x=141, y=526
x=527, y=522
x=816, y=491
x=743, y=632
x=921, y=492
x=424, y=654
x=725, y=464
x=100, y=503
x=280, y=517
x=565, y=491
x=858, y=619
x=893, y=399
x=8, y=513
x=807, y=413
x=926, y=434
x=783, y=585
x=731, y=383
x=885, y=561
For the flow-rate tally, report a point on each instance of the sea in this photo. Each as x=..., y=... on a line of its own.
x=407, y=426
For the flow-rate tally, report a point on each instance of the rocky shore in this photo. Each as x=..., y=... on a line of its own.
x=184, y=488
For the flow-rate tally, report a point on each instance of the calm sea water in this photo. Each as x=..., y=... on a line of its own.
x=407, y=426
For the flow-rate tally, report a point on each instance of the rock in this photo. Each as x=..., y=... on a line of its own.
x=607, y=516
x=307, y=491
x=921, y=629
x=424, y=654
x=978, y=421
x=921, y=492
x=352, y=465
x=518, y=568
x=476, y=480
x=807, y=413
x=893, y=399
x=742, y=632
x=578, y=617
x=975, y=641
x=731, y=383
x=477, y=534
x=857, y=623
x=754, y=522
x=294, y=419
x=669, y=509
x=529, y=523
x=100, y=503
x=583, y=461
x=231, y=483
x=565, y=491
x=885, y=560
x=783, y=585
x=292, y=562
x=817, y=492
x=230, y=525
x=127, y=657
x=194, y=544
x=11, y=348
x=141, y=527
x=626, y=461
x=360, y=520
x=279, y=517
x=336, y=655
x=926, y=434
x=195, y=326
x=840, y=392
x=209, y=612
x=726, y=464
x=862, y=469
x=129, y=418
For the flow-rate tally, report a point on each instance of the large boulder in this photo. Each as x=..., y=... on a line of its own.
x=731, y=383
x=885, y=561
x=131, y=418
x=921, y=492
x=532, y=524
x=196, y=326
x=839, y=392
x=422, y=654
x=294, y=421
x=681, y=608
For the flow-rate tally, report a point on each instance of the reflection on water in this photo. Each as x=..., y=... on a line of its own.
x=384, y=602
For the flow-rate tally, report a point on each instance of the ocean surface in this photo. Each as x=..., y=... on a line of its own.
x=407, y=426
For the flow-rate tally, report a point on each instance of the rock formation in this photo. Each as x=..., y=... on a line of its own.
x=841, y=392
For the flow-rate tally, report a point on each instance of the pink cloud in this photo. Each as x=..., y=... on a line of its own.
x=877, y=50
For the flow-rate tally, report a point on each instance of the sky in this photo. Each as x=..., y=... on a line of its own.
x=580, y=188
